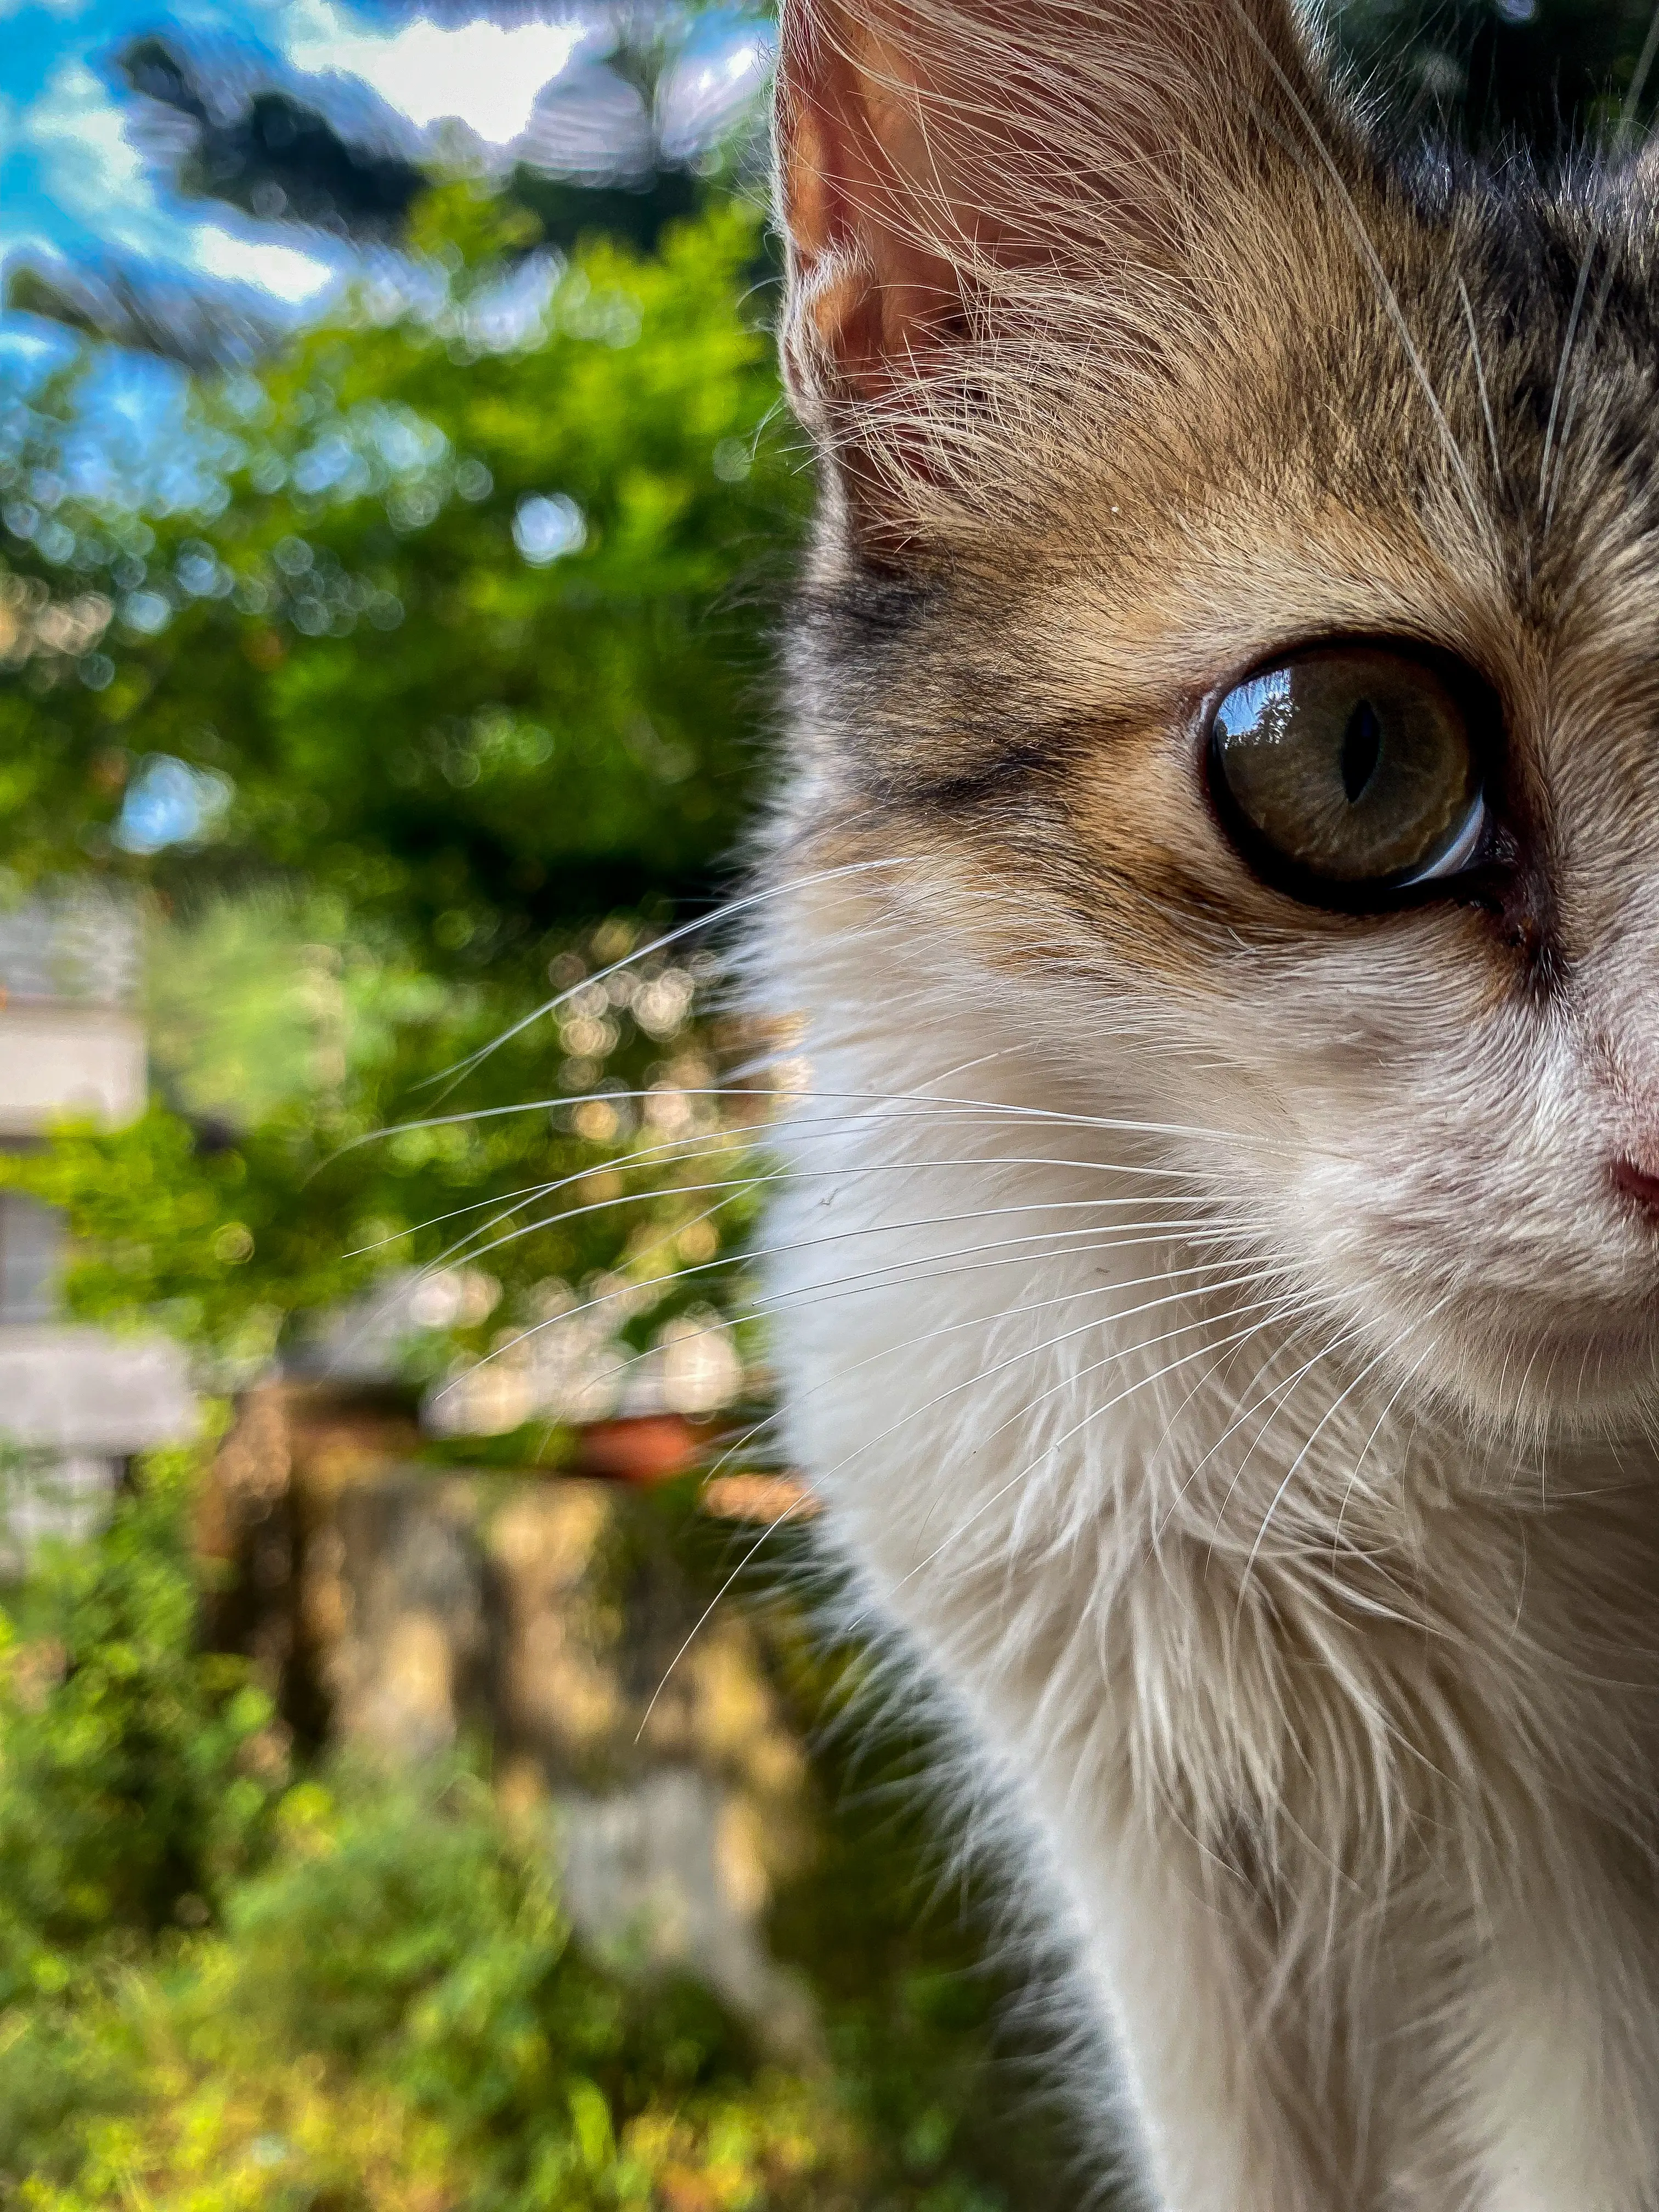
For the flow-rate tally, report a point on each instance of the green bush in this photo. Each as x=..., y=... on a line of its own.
x=136, y=1771
x=228, y=1990
x=218, y=1991
x=395, y=2015
x=137, y=1776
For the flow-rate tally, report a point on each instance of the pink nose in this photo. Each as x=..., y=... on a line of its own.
x=1638, y=1186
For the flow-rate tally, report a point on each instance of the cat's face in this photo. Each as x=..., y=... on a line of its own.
x=1243, y=610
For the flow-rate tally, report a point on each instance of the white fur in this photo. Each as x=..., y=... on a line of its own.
x=1337, y=1717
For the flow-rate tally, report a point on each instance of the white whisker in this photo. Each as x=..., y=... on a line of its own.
x=989, y=1110
x=464, y=1067
x=900, y=1272
x=1370, y=1368
x=1389, y=1403
x=1481, y=382
x=1271, y=1398
x=1107, y=1406
x=1373, y=260
x=931, y=1405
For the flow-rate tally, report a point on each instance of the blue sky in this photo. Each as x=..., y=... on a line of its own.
x=76, y=183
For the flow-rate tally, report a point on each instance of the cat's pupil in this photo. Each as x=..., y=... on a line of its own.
x=1362, y=749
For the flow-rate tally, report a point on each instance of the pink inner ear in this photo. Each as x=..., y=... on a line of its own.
x=862, y=190
x=920, y=142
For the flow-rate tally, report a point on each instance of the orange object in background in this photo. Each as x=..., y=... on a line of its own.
x=643, y=1447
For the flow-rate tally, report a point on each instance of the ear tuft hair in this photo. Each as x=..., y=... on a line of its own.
x=973, y=189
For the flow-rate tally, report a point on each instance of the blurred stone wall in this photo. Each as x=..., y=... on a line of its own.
x=554, y=1624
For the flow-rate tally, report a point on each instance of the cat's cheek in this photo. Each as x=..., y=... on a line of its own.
x=1488, y=1230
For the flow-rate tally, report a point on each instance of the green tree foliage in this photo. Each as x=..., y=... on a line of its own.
x=130, y=1776
x=443, y=619
x=136, y=1774
x=442, y=637
x=228, y=1238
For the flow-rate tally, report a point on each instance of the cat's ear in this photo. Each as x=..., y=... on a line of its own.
x=946, y=167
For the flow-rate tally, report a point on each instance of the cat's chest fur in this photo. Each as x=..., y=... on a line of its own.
x=1278, y=1665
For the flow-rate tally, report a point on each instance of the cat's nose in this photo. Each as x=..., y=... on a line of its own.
x=1638, y=1184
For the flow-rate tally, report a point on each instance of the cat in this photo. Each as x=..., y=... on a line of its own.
x=1216, y=884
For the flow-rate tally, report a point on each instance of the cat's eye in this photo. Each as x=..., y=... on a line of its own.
x=1350, y=772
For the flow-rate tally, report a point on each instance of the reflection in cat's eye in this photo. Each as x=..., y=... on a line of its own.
x=1349, y=769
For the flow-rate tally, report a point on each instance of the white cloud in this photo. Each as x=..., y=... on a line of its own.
x=487, y=74
x=284, y=272
x=78, y=135
x=28, y=349
x=704, y=95
x=88, y=171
